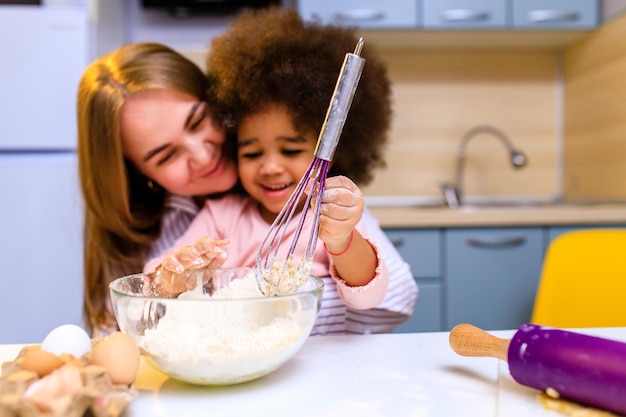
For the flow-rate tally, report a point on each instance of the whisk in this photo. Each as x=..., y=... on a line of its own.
x=279, y=277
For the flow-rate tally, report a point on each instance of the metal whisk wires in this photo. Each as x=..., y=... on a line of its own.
x=278, y=277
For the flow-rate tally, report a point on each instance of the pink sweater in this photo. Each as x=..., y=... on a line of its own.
x=237, y=218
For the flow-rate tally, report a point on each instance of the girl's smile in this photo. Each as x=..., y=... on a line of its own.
x=272, y=158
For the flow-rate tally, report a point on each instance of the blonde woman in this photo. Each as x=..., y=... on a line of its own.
x=151, y=149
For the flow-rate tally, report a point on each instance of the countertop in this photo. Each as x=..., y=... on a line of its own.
x=440, y=216
x=412, y=374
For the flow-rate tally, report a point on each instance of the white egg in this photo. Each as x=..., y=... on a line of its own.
x=68, y=338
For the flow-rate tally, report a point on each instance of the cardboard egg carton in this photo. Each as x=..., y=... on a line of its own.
x=96, y=395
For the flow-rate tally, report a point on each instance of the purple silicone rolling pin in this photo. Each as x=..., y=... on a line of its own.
x=586, y=369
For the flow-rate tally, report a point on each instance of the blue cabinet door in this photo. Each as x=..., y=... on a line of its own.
x=491, y=275
x=464, y=14
x=428, y=312
x=555, y=14
x=365, y=14
x=422, y=249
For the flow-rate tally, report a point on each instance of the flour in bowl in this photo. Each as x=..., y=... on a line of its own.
x=285, y=277
x=235, y=336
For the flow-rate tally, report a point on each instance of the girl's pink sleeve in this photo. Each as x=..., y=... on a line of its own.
x=369, y=295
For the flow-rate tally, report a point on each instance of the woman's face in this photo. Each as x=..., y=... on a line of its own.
x=172, y=139
x=272, y=158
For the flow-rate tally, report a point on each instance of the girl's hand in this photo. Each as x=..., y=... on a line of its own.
x=354, y=258
x=176, y=274
x=341, y=210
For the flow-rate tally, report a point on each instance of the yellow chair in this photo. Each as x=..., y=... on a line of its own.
x=583, y=281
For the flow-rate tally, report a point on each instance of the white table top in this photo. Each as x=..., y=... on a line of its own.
x=413, y=375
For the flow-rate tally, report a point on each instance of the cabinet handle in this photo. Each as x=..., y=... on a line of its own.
x=495, y=241
x=360, y=14
x=548, y=15
x=464, y=15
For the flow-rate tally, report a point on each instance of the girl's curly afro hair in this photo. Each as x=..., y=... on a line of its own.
x=272, y=56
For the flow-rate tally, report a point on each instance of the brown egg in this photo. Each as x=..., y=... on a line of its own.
x=119, y=355
x=71, y=360
x=40, y=361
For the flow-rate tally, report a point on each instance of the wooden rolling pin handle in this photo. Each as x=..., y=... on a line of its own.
x=468, y=340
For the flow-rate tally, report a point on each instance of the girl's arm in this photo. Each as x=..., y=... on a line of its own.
x=399, y=300
x=354, y=258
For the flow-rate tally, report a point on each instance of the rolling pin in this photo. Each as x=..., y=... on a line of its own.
x=585, y=369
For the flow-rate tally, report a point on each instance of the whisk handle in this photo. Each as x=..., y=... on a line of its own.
x=340, y=103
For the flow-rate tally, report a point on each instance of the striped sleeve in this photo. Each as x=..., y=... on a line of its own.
x=332, y=316
x=179, y=213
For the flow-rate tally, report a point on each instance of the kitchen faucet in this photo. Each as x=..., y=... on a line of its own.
x=454, y=193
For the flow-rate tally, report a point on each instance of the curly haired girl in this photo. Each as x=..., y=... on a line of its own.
x=275, y=75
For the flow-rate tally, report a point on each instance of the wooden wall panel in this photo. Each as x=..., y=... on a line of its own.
x=438, y=96
x=595, y=114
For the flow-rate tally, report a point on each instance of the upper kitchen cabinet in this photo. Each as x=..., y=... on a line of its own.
x=464, y=14
x=554, y=14
x=441, y=24
x=455, y=14
x=366, y=14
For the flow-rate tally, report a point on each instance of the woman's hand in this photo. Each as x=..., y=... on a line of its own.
x=341, y=210
x=176, y=274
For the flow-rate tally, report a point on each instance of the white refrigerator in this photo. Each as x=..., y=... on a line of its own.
x=43, y=51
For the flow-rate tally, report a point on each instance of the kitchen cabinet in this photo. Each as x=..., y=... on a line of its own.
x=367, y=14
x=464, y=14
x=422, y=249
x=554, y=14
x=486, y=276
x=456, y=14
x=492, y=275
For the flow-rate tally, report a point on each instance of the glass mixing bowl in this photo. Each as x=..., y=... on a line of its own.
x=223, y=331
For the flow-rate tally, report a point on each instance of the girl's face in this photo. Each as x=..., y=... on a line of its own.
x=172, y=139
x=272, y=158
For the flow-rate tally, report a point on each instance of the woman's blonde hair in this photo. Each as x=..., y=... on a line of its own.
x=122, y=212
